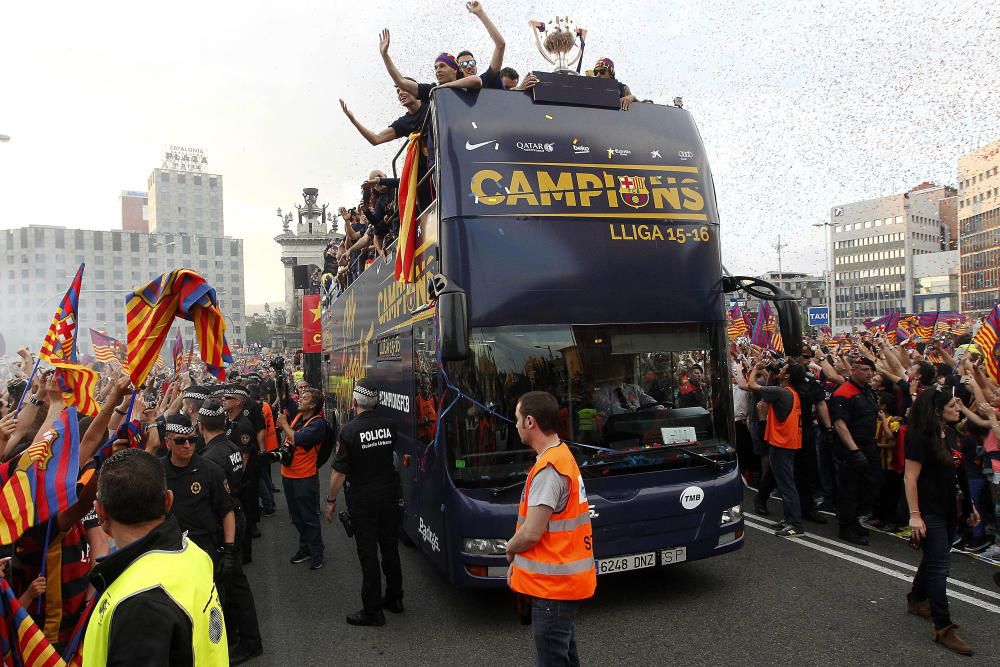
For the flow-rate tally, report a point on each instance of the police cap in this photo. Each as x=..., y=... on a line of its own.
x=366, y=388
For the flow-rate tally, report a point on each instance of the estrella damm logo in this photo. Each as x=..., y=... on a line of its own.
x=633, y=191
x=560, y=189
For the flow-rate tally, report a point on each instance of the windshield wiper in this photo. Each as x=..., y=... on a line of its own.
x=503, y=489
x=718, y=466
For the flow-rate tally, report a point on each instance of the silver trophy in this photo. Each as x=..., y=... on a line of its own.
x=556, y=38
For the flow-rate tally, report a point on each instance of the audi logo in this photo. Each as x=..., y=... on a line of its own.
x=685, y=155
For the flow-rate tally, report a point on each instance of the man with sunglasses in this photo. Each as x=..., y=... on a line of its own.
x=605, y=69
x=202, y=503
x=467, y=62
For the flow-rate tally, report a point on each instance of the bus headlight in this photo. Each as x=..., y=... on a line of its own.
x=484, y=546
x=731, y=515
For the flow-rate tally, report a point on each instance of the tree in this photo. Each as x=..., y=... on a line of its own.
x=258, y=333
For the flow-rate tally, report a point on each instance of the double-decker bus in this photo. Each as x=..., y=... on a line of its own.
x=572, y=249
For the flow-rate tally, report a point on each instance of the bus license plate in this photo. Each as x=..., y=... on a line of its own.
x=624, y=563
x=671, y=556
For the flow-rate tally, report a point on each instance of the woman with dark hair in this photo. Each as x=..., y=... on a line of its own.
x=933, y=473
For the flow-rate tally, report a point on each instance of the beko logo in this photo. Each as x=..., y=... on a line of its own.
x=428, y=535
x=535, y=147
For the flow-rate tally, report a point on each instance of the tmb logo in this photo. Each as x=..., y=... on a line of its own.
x=691, y=497
x=428, y=535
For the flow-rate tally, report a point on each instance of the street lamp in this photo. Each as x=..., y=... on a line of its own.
x=831, y=298
x=161, y=244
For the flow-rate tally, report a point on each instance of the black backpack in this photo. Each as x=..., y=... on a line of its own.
x=328, y=445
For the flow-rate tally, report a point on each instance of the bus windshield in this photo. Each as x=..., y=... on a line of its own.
x=627, y=394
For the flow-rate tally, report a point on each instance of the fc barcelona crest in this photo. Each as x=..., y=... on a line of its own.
x=633, y=191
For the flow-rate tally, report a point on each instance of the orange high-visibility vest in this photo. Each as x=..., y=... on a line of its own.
x=561, y=564
x=270, y=432
x=786, y=434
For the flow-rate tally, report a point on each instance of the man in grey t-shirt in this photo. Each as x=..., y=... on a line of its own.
x=549, y=488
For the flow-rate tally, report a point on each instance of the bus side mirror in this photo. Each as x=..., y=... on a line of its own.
x=791, y=326
x=453, y=319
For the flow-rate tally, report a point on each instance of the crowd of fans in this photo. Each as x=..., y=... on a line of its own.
x=902, y=438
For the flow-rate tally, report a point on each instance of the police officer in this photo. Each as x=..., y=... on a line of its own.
x=158, y=578
x=238, y=602
x=365, y=460
x=241, y=431
x=854, y=409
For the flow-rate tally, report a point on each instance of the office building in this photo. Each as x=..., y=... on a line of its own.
x=135, y=211
x=935, y=282
x=979, y=227
x=874, y=244
x=183, y=197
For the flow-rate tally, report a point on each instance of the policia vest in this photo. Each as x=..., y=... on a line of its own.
x=561, y=565
x=182, y=575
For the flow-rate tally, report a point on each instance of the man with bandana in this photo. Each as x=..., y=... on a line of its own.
x=605, y=69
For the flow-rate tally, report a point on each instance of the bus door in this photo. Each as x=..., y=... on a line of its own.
x=423, y=476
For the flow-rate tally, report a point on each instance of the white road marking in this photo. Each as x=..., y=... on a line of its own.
x=884, y=559
x=872, y=566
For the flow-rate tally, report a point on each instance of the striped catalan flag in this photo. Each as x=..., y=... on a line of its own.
x=43, y=481
x=60, y=339
x=925, y=325
x=987, y=340
x=21, y=637
x=79, y=385
x=177, y=352
x=150, y=312
x=738, y=325
x=103, y=344
x=407, y=243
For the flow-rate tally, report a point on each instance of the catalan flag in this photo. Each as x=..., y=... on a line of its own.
x=42, y=482
x=150, y=311
x=738, y=323
x=104, y=346
x=987, y=340
x=20, y=636
x=60, y=339
x=79, y=385
x=178, y=352
x=407, y=243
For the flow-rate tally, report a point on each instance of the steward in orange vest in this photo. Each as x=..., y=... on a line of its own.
x=551, y=553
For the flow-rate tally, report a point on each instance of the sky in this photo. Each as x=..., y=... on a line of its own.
x=802, y=105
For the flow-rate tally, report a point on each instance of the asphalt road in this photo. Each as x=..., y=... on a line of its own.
x=804, y=601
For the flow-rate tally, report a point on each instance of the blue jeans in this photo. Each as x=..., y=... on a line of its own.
x=553, y=623
x=264, y=488
x=783, y=470
x=977, y=488
x=930, y=581
x=827, y=468
x=302, y=496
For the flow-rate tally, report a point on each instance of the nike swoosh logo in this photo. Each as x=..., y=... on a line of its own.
x=472, y=147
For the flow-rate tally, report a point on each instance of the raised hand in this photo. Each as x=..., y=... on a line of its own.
x=383, y=42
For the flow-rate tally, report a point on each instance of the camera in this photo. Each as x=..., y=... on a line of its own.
x=278, y=364
x=282, y=455
x=345, y=519
x=777, y=365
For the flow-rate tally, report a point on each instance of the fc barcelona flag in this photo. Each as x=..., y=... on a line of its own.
x=105, y=347
x=60, y=339
x=42, y=481
x=178, y=352
x=20, y=637
x=987, y=339
x=765, y=330
x=150, y=311
x=407, y=243
x=888, y=323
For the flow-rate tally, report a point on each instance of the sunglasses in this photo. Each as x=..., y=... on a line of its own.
x=184, y=441
x=600, y=70
x=467, y=64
